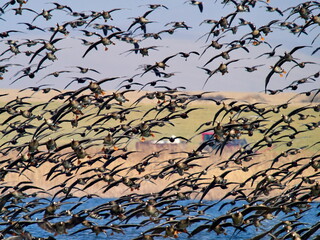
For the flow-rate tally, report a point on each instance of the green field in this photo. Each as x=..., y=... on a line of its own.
x=204, y=112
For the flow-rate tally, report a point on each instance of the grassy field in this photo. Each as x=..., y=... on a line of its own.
x=213, y=161
x=204, y=112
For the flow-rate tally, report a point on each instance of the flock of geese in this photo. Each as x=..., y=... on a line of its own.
x=85, y=136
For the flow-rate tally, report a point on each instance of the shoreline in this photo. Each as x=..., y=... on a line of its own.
x=251, y=97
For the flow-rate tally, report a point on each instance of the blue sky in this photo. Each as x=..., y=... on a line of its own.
x=113, y=63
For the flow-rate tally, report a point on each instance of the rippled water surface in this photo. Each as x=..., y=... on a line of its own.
x=309, y=218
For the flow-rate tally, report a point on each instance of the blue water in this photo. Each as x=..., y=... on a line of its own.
x=309, y=218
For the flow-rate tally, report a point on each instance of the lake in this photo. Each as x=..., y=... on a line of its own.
x=309, y=217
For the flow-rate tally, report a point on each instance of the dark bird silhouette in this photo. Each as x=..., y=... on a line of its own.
x=93, y=86
x=157, y=65
x=32, y=27
x=7, y=33
x=300, y=65
x=54, y=74
x=277, y=67
x=104, y=14
x=178, y=25
x=46, y=14
x=196, y=3
x=80, y=81
x=62, y=7
x=155, y=6
x=40, y=87
x=270, y=54
x=253, y=68
x=143, y=21
x=85, y=70
x=224, y=55
x=104, y=41
x=223, y=68
x=187, y=55
x=173, y=139
x=48, y=46
x=143, y=51
x=274, y=9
